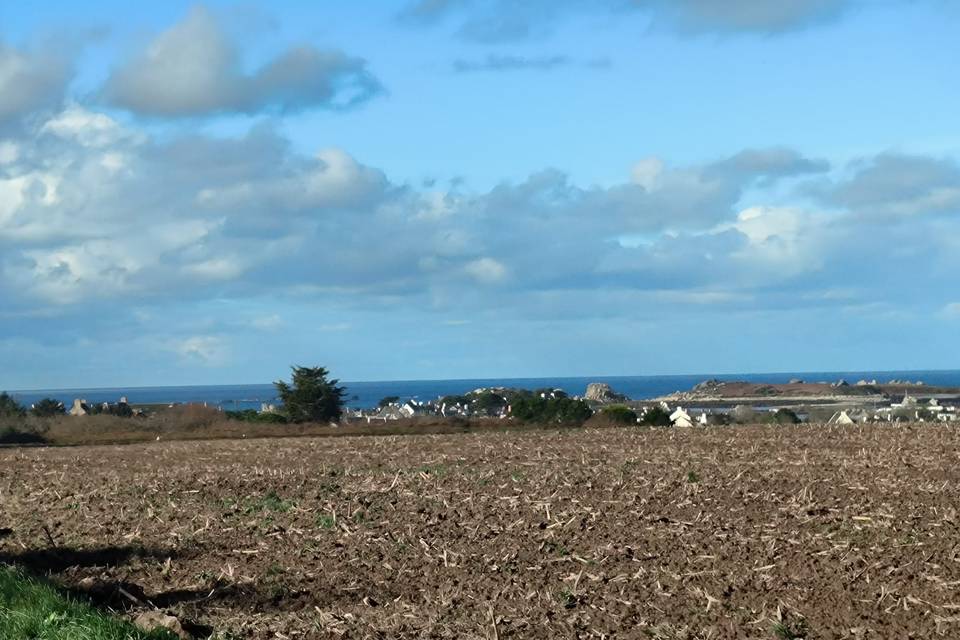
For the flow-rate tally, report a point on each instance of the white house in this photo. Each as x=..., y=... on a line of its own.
x=841, y=417
x=412, y=408
x=907, y=403
x=79, y=407
x=681, y=418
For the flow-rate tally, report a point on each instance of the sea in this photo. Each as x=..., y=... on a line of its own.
x=364, y=395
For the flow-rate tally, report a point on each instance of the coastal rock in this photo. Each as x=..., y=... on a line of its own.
x=602, y=392
x=707, y=385
x=795, y=381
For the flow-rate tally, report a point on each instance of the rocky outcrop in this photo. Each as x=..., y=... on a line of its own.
x=602, y=392
x=707, y=386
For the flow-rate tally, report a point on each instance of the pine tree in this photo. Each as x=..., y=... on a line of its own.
x=310, y=396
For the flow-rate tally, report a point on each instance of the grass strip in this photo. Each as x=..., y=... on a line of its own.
x=32, y=609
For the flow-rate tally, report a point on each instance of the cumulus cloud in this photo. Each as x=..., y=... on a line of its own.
x=96, y=212
x=95, y=209
x=31, y=80
x=771, y=164
x=194, y=69
x=896, y=185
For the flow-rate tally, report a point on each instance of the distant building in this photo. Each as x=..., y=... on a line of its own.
x=79, y=408
x=908, y=402
x=841, y=417
x=681, y=418
x=412, y=408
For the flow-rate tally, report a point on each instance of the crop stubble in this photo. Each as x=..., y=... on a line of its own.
x=744, y=532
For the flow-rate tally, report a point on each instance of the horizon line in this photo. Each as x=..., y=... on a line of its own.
x=505, y=378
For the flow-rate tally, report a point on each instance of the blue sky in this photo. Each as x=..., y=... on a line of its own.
x=208, y=193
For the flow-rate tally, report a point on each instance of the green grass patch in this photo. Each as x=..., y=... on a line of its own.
x=31, y=609
x=269, y=502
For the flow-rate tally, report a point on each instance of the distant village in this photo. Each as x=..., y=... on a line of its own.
x=908, y=408
x=680, y=410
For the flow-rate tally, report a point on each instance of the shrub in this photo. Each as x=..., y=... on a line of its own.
x=743, y=414
x=12, y=435
x=388, y=400
x=187, y=416
x=785, y=416
x=619, y=414
x=656, y=417
x=489, y=403
x=120, y=409
x=47, y=408
x=252, y=415
x=528, y=407
x=10, y=408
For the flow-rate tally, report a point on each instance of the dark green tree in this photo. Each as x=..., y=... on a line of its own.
x=388, y=400
x=527, y=407
x=656, y=417
x=47, y=408
x=489, y=403
x=310, y=396
x=9, y=407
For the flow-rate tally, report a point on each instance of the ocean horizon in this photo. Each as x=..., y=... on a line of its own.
x=366, y=394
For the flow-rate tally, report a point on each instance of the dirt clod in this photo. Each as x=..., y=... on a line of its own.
x=153, y=620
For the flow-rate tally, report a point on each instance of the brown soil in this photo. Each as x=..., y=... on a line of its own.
x=719, y=533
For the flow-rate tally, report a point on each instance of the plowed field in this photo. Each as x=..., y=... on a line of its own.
x=737, y=532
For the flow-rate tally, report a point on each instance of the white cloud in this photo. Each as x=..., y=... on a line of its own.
x=647, y=172
x=89, y=128
x=209, y=351
x=30, y=81
x=783, y=238
x=894, y=185
x=270, y=322
x=486, y=270
x=220, y=268
x=92, y=210
x=194, y=69
x=951, y=310
x=331, y=179
x=9, y=152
